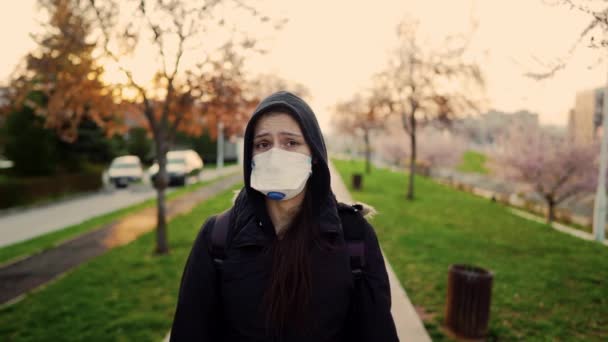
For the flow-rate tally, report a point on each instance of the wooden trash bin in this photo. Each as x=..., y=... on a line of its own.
x=469, y=294
x=357, y=181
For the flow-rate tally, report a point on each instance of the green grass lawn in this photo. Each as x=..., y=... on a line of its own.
x=46, y=241
x=127, y=294
x=473, y=162
x=547, y=285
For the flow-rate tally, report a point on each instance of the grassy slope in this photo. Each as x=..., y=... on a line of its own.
x=547, y=286
x=473, y=162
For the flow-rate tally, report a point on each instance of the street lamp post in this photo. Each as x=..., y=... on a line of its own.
x=599, y=212
x=220, y=145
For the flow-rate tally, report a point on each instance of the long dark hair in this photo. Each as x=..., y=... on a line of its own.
x=288, y=297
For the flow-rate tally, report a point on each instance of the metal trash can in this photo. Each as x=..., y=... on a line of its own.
x=467, y=309
x=357, y=181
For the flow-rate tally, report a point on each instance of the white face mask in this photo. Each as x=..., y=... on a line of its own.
x=280, y=174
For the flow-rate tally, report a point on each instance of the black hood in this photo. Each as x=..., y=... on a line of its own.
x=291, y=104
x=320, y=181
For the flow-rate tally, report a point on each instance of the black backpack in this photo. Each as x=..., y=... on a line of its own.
x=353, y=224
x=350, y=215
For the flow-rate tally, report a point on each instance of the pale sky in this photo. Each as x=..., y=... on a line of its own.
x=334, y=47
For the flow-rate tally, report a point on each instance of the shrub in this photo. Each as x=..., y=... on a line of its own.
x=23, y=191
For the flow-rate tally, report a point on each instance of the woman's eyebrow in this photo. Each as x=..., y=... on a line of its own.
x=291, y=134
x=262, y=134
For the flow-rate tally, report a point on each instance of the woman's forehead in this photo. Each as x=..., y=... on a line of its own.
x=275, y=122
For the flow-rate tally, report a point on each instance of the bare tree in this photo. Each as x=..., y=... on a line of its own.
x=360, y=115
x=227, y=97
x=176, y=29
x=422, y=86
x=441, y=148
x=392, y=150
x=557, y=169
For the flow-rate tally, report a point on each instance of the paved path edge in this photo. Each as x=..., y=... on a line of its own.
x=408, y=323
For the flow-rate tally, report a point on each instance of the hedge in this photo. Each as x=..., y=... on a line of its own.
x=24, y=191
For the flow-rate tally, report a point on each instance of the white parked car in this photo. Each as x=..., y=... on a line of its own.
x=124, y=171
x=5, y=163
x=180, y=166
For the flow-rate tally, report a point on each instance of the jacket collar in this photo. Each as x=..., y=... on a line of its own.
x=253, y=227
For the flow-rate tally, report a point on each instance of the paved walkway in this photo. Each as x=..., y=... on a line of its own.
x=29, y=223
x=409, y=325
x=557, y=226
x=24, y=275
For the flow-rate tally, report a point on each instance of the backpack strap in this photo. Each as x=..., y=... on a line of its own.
x=219, y=235
x=354, y=236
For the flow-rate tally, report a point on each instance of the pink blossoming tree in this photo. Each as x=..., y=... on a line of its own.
x=553, y=166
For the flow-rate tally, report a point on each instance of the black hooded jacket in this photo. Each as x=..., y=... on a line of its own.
x=224, y=305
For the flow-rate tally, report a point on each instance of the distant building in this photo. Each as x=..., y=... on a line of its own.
x=487, y=128
x=555, y=131
x=586, y=117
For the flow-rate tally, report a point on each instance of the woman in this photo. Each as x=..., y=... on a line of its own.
x=286, y=272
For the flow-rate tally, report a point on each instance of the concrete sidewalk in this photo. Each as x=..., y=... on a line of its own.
x=32, y=222
x=408, y=323
x=557, y=226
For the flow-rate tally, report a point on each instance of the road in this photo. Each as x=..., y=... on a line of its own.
x=29, y=223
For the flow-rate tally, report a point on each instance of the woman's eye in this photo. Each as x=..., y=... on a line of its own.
x=292, y=143
x=262, y=145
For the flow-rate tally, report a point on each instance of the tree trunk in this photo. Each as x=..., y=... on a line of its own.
x=551, y=211
x=162, y=245
x=412, y=133
x=368, y=152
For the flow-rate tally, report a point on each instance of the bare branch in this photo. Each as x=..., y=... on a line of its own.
x=158, y=38
x=112, y=55
x=599, y=18
x=180, y=49
x=564, y=178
